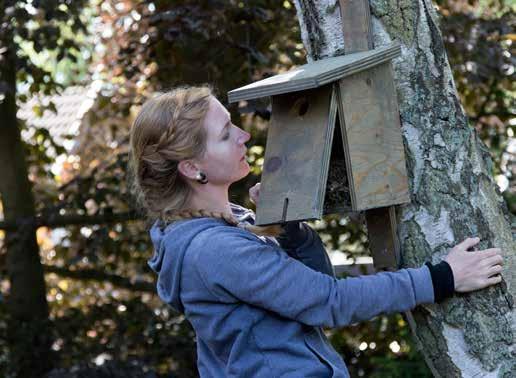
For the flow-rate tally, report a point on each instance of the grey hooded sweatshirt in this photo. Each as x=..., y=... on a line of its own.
x=258, y=304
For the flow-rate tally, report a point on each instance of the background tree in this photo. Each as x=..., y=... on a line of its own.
x=39, y=22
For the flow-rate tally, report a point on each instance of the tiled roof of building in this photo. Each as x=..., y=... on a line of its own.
x=71, y=105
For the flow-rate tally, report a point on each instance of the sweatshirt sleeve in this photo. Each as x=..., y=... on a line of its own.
x=237, y=266
x=303, y=243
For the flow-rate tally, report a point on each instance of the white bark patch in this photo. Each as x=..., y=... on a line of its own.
x=425, y=42
x=451, y=89
x=304, y=32
x=458, y=352
x=412, y=135
x=474, y=155
x=438, y=140
x=457, y=168
x=330, y=26
x=436, y=231
x=405, y=88
x=401, y=65
x=432, y=157
x=380, y=35
x=408, y=214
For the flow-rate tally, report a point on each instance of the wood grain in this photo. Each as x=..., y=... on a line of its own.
x=356, y=25
x=297, y=156
x=372, y=139
x=316, y=74
x=383, y=239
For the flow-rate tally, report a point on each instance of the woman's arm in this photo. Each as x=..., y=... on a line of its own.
x=236, y=266
x=300, y=241
x=303, y=243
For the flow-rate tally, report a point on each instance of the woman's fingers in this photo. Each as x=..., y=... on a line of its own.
x=495, y=269
x=486, y=257
x=493, y=260
x=254, y=193
x=487, y=262
x=493, y=280
x=467, y=243
x=473, y=270
x=490, y=252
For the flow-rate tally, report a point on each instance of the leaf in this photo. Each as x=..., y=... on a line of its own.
x=38, y=111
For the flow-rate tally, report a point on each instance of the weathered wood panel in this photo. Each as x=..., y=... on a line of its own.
x=356, y=25
x=383, y=238
x=372, y=139
x=297, y=155
x=315, y=74
x=381, y=222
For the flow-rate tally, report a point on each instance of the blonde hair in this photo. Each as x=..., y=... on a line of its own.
x=167, y=130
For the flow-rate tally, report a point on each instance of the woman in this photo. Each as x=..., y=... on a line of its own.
x=258, y=302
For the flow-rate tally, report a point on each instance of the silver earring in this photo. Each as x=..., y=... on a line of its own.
x=201, y=177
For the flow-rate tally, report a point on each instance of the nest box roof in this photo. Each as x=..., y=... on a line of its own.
x=316, y=74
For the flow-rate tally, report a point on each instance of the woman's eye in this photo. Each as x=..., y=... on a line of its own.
x=225, y=137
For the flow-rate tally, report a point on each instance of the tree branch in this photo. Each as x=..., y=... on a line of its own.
x=96, y=275
x=55, y=221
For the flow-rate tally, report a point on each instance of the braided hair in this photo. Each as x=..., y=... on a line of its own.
x=173, y=215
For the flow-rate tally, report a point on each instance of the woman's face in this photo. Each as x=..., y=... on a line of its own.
x=225, y=158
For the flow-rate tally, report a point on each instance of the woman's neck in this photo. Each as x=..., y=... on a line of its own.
x=210, y=199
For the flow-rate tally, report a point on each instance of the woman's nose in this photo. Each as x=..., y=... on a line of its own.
x=244, y=137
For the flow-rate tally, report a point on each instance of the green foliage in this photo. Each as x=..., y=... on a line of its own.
x=370, y=349
x=39, y=26
x=123, y=330
x=479, y=40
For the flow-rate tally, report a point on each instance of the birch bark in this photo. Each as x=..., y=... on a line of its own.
x=453, y=195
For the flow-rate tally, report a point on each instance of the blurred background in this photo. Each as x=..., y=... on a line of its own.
x=83, y=69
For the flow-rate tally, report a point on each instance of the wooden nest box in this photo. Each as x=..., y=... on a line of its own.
x=308, y=171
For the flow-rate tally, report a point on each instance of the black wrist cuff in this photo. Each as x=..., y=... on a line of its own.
x=442, y=280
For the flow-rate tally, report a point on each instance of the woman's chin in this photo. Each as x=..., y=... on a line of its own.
x=245, y=163
x=245, y=170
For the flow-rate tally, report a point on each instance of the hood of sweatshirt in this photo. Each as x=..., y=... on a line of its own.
x=176, y=237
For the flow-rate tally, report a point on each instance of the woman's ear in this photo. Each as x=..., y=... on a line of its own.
x=188, y=169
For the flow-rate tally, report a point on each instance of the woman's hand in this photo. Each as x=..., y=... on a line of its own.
x=473, y=270
x=254, y=193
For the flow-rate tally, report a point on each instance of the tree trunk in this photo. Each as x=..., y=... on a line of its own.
x=29, y=336
x=453, y=195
